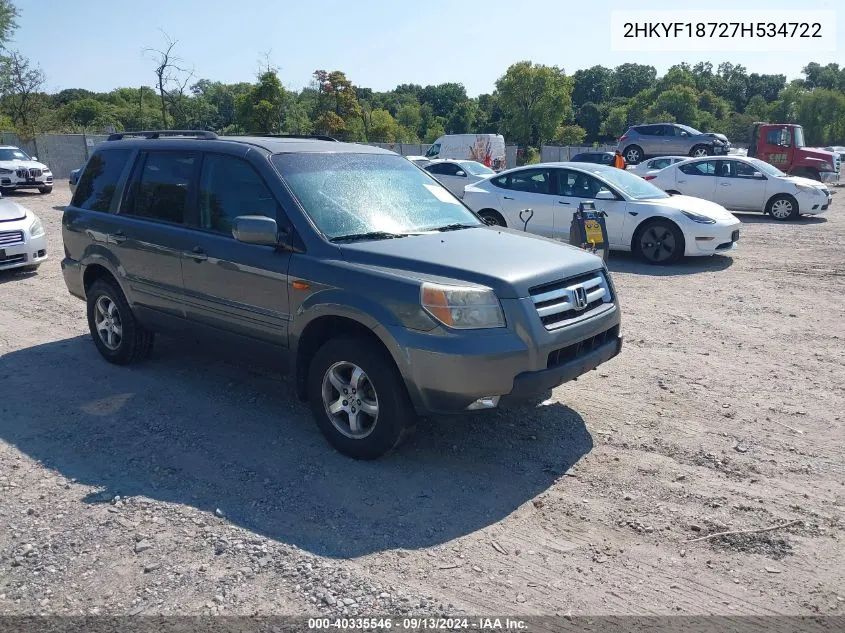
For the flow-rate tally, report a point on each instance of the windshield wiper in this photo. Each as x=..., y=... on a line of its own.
x=371, y=235
x=455, y=227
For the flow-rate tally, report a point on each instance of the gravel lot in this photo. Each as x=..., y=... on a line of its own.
x=195, y=484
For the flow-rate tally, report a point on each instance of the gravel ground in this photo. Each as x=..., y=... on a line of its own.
x=194, y=484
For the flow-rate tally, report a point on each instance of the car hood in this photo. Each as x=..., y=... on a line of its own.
x=508, y=261
x=721, y=137
x=804, y=182
x=11, y=211
x=29, y=164
x=694, y=205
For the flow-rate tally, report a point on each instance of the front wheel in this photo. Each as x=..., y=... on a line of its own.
x=358, y=399
x=119, y=337
x=492, y=218
x=45, y=190
x=660, y=242
x=783, y=207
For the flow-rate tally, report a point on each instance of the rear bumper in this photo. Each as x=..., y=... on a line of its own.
x=72, y=272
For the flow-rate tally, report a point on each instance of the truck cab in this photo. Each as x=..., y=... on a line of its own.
x=782, y=145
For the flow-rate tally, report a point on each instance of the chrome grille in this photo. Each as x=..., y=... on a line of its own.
x=22, y=172
x=7, y=238
x=564, y=302
x=34, y=173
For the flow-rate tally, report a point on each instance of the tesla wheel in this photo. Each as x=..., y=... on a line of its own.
x=659, y=242
x=700, y=150
x=633, y=154
x=358, y=398
x=119, y=337
x=783, y=207
x=493, y=218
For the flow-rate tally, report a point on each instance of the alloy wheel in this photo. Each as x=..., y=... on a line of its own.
x=350, y=400
x=658, y=244
x=107, y=322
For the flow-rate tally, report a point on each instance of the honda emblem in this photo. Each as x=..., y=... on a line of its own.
x=580, y=297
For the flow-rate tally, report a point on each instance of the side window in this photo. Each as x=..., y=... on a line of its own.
x=778, y=136
x=500, y=181
x=742, y=170
x=530, y=181
x=160, y=184
x=701, y=168
x=659, y=163
x=436, y=168
x=444, y=169
x=230, y=187
x=647, y=130
x=574, y=184
x=98, y=182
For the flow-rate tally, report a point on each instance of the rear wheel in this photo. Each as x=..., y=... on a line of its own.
x=701, y=150
x=633, y=154
x=493, y=218
x=659, y=242
x=358, y=398
x=45, y=189
x=783, y=207
x=119, y=337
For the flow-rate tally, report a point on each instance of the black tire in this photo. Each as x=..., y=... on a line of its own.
x=633, y=154
x=135, y=342
x=701, y=150
x=384, y=387
x=492, y=217
x=45, y=189
x=659, y=242
x=782, y=207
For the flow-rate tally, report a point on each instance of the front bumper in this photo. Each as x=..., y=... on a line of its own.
x=813, y=203
x=29, y=252
x=447, y=372
x=829, y=176
x=709, y=239
x=13, y=181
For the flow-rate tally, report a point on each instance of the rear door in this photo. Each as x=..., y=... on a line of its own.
x=528, y=189
x=575, y=187
x=737, y=187
x=697, y=179
x=229, y=285
x=149, y=234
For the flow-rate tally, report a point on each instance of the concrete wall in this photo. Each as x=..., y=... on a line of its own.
x=60, y=152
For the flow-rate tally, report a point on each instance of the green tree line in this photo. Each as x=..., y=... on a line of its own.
x=531, y=104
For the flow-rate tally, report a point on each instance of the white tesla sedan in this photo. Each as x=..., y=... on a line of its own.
x=640, y=217
x=744, y=184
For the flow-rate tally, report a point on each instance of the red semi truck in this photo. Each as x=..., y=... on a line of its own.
x=782, y=145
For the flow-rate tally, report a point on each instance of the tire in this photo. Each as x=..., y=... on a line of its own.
x=701, y=150
x=333, y=368
x=782, y=207
x=492, y=217
x=133, y=343
x=659, y=242
x=45, y=189
x=633, y=154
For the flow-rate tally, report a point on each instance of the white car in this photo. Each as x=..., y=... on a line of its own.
x=23, y=241
x=20, y=171
x=745, y=184
x=653, y=165
x=640, y=217
x=457, y=174
x=419, y=161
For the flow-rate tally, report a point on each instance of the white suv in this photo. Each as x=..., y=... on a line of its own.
x=20, y=171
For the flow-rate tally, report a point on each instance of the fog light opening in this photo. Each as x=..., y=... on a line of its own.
x=487, y=402
x=704, y=239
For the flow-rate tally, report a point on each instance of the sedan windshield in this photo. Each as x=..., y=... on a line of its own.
x=631, y=185
x=13, y=154
x=691, y=130
x=370, y=196
x=764, y=167
x=476, y=169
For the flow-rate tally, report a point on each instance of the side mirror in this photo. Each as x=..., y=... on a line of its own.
x=758, y=174
x=604, y=194
x=34, y=157
x=255, y=229
x=461, y=173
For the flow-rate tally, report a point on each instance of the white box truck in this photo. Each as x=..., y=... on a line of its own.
x=487, y=149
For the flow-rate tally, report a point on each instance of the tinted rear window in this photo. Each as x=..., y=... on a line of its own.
x=99, y=180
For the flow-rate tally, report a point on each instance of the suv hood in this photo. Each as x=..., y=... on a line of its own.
x=721, y=137
x=508, y=261
x=29, y=164
x=804, y=182
x=11, y=211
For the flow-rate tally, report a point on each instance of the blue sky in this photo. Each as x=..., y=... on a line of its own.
x=98, y=44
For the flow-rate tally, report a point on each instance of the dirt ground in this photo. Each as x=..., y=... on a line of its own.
x=195, y=484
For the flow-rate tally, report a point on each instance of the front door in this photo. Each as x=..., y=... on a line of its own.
x=776, y=147
x=529, y=189
x=230, y=285
x=737, y=187
x=575, y=187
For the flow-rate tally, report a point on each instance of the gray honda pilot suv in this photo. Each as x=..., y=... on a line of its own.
x=385, y=296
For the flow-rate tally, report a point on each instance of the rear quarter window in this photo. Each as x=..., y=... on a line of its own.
x=98, y=181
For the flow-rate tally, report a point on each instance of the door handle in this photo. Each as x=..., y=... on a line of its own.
x=682, y=182
x=507, y=198
x=197, y=254
x=117, y=238
x=562, y=202
x=725, y=184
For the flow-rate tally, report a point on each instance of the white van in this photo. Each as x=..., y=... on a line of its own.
x=487, y=149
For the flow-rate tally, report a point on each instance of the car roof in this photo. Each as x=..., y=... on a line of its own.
x=273, y=144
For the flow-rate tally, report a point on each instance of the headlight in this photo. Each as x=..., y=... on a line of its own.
x=462, y=307
x=46, y=172
x=806, y=188
x=696, y=217
x=36, y=229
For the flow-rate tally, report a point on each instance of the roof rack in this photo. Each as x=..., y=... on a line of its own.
x=201, y=134
x=316, y=137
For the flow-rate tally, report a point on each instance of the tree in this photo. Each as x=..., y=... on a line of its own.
x=591, y=85
x=443, y=98
x=21, y=84
x=735, y=84
x=336, y=94
x=828, y=76
x=757, y=108
x=383, y=127
x=330, y=123
x=616, y=122
x=821, y=113
x=681, y=102
x=8, y=21
x=629, y=79
x=767, y=86
x=84, y=112
x=409, y=116
x=679, y=75
x=589, y=118
x=570, y=135
x=462, y=118
x=436, y=129
x=172, y=76
x=534, y=99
